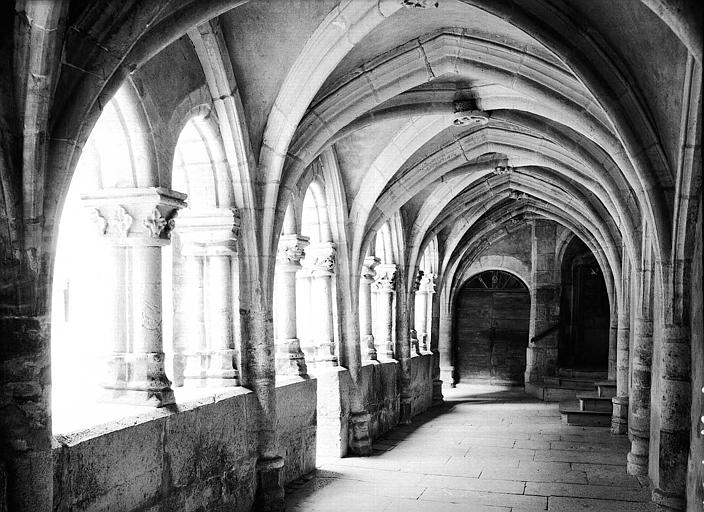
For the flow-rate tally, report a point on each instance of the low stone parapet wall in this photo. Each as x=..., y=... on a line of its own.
x=200, y=455
x=380, y=395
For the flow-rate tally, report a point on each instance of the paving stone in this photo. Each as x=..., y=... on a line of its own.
x=586, y=491
x=523, y=502
x=559, y=504
x=505, y=463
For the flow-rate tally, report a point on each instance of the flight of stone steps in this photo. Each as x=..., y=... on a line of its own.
x=584, y=396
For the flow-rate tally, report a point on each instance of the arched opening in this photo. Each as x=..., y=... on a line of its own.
x=491, y=314
x=201, y=280
x=87, y=271
x=584, y=311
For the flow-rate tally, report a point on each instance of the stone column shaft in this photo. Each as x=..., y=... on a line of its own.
x=670, y=446
x=290, y=358
x=447, y=370
x=639, y=402
x=220, y=324
x=322, y=264
x=385, y=287
x=190, y=328
x=423, y=311
x=368, y=349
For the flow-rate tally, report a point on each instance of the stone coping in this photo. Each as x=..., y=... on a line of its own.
x=378, y=363
x=105, y=418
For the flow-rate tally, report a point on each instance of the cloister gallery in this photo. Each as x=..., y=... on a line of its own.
x=242, y=236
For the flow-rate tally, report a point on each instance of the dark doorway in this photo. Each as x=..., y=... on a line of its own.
x=584, y=311
x=492, y=313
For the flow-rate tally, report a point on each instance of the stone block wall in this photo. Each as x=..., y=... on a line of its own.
x=421, y=383
x=296, y=427
x=381, y=396
x=202, y=457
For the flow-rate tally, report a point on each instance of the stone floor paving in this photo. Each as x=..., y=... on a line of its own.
x=481, y=451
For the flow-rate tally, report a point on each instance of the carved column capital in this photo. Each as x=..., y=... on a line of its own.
x=209, y=232
x=321, y=258
x=291, y=250
x=427, y=283
x=385, y=280
x=134, y=216
x=369, y=268
x=417, y=281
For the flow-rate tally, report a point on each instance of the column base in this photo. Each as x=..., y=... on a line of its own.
x=619, y=418
x=270, y=494
x=360, y=442
x=367, y=343
x=151, y=398
x=290, y=359
x=385, y=352
x=438, y=397
x=446, y=375
x=637, y=465
x=668, y=502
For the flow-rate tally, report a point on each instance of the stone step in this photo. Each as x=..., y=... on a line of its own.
x=583, y=374
x=606, y=388
x=570, y=382
x=571, y=414
x=548, y=393
x=594, y=403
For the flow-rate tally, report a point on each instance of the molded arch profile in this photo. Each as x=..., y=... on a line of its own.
x=508, y=264
x=199, y=157
x=118, y=153
x=315, y=221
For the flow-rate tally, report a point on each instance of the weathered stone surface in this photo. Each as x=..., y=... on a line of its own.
x=198, y=458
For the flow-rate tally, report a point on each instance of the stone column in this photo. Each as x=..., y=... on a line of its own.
x=365, y=307
x=290, y=358
x=670, y=435
x=541, y=356
x=136, y=223
x=447, y=369
x=385, y=285
x=203, y=299
x=613, y=341
x=322, y=267
x=423, y=311
x=619, y=419
x=414, y=335
x=641, y=368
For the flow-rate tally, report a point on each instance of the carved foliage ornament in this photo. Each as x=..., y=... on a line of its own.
x=100, y=223
x=157, y=225
x=290, y=253
x=503, y=169
x=385, y=280
x=121, y=222
x=325, y=263
x=419, y=278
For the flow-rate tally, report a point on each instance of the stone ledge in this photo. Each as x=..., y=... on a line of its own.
x=186, y=399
